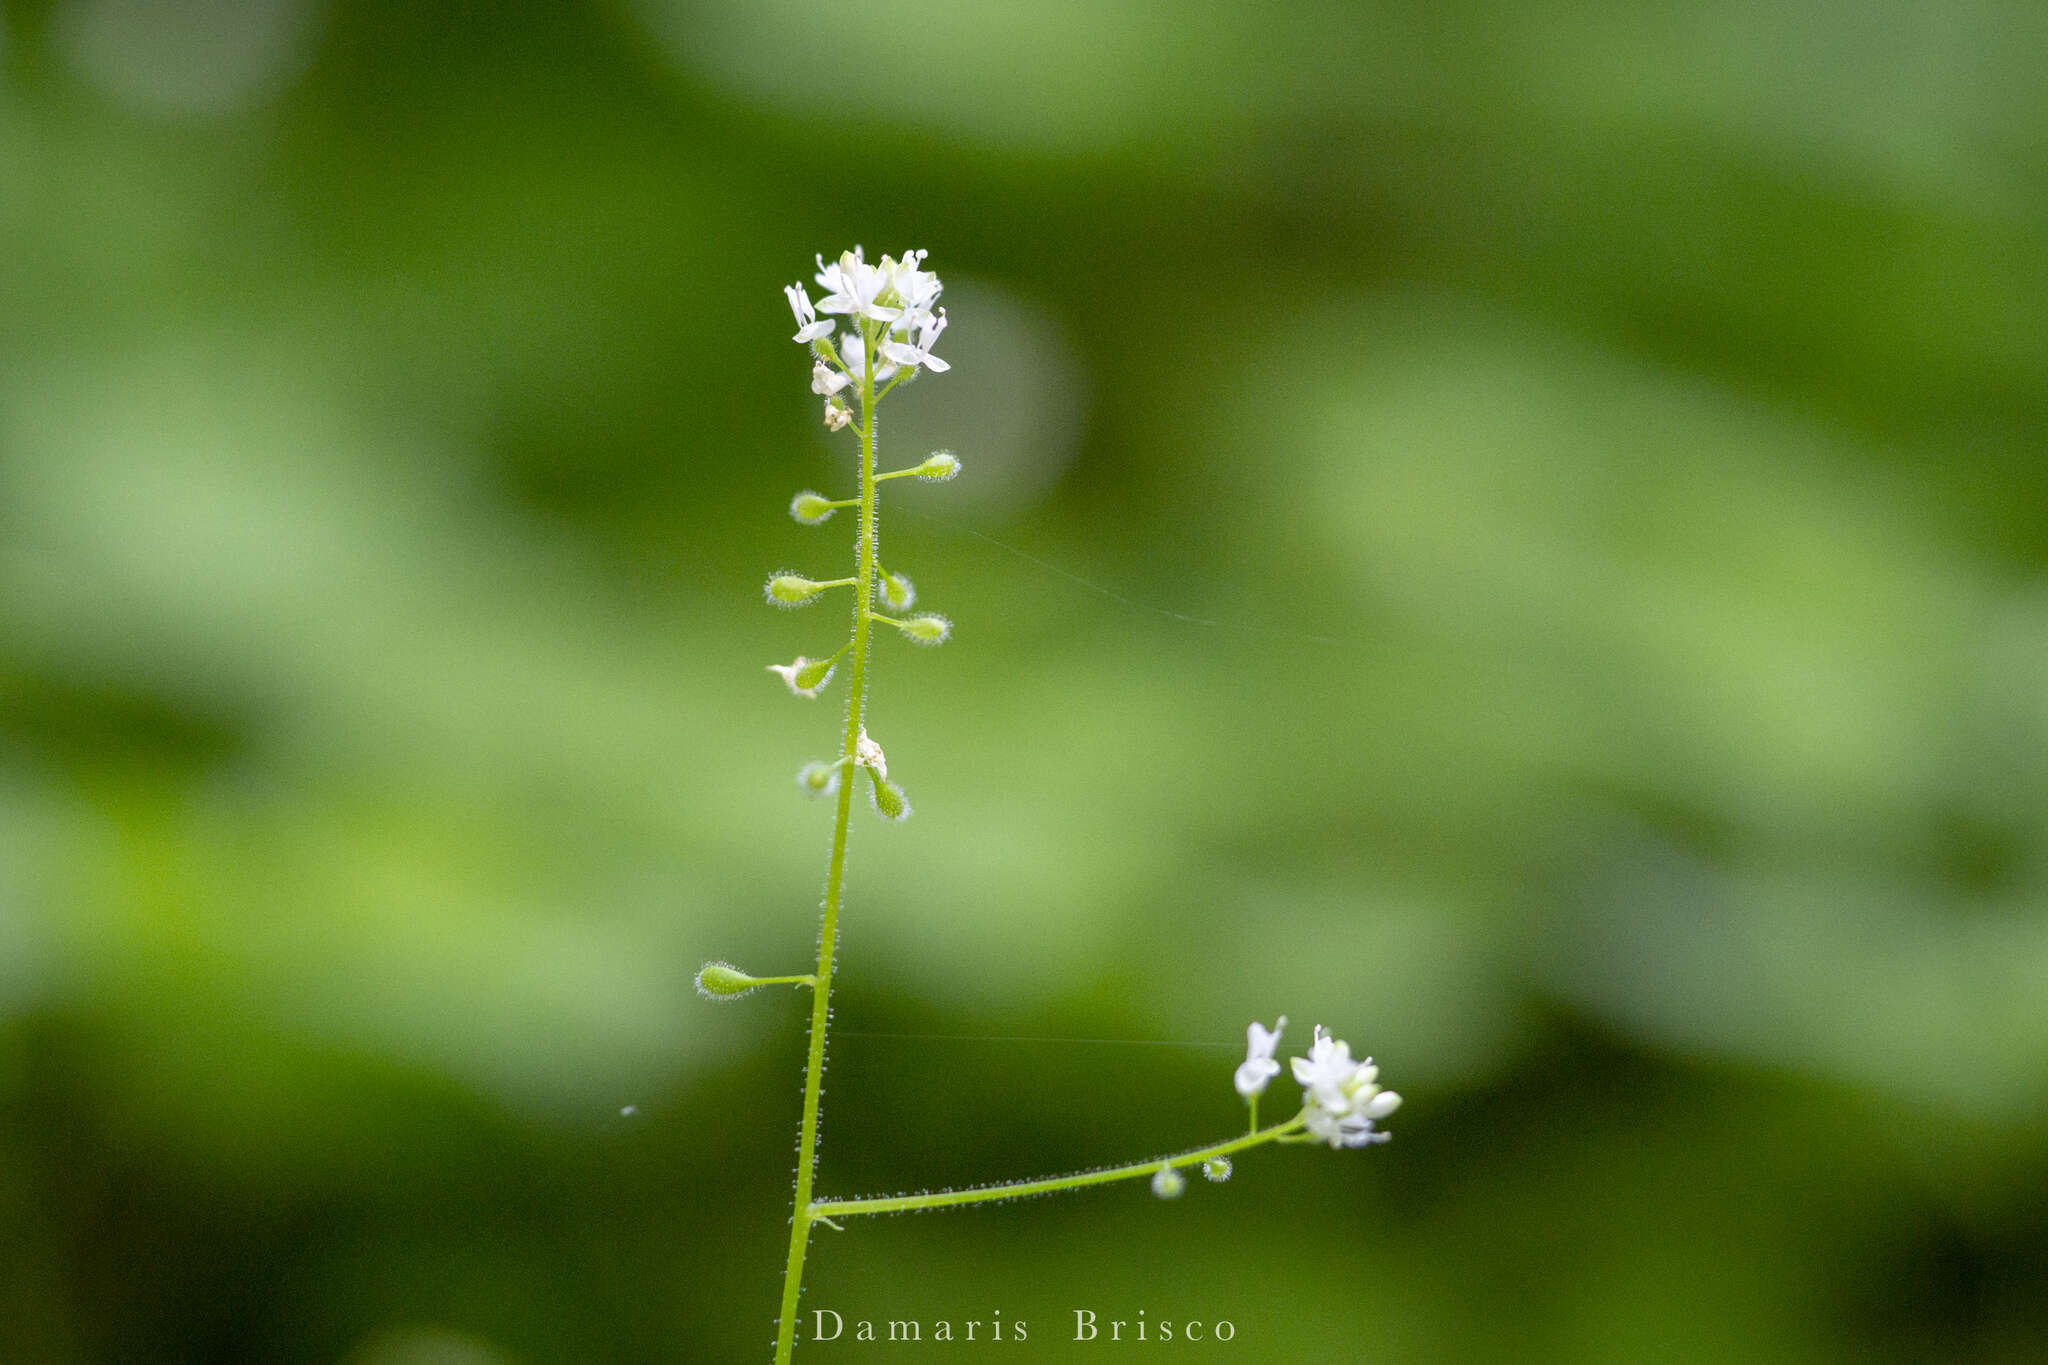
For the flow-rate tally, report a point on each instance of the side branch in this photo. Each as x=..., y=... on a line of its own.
x=820, y=1209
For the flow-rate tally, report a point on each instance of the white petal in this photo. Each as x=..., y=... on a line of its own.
x=869, y=754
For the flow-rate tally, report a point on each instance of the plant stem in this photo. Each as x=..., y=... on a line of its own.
x=1018, y=1189
x=835, y=879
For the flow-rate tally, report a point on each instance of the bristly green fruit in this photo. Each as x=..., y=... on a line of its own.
x=792, y=590
x=896, y=591
x=723, y=981
x=811, y=508
x=811, y=675
x=818, y=779
x=926, y=630
x=890, y=802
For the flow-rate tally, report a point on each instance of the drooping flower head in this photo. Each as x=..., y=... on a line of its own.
x=1341, y=1095
x=825, y=380
x=1258, y=1066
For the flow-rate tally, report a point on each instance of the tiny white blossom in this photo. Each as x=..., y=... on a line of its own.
x=911, y=287
x=1340, y=1094
x=903, y=353
x=853, y=286
x=900, y=294
x=827, y=380
x=808, y=326
x=869, y=754
x=1258, y=1066
x=837, y=414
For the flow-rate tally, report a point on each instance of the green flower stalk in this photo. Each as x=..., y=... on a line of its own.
x=891, y=322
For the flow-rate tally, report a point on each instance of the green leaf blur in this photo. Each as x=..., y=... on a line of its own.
x=1512, y=531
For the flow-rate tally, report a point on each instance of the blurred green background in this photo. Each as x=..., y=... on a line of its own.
x=1600, y=447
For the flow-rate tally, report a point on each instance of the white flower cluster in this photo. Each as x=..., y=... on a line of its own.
x=1339, y=1096
x=897, y=296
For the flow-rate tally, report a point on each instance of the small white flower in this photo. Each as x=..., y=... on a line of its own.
x=808, y=326
x=869, y=754
x=910, y=287
x=1258, y=1066
x=903, y=353
x=1340, y=1095
x=837, y=414
x=826, y=380
x=853, y=286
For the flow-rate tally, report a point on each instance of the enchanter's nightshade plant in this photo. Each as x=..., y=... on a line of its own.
x=891, y=323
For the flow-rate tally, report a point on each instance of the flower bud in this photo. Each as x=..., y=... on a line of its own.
x=1168, y=1183
x=811, y=508
x=926, y=630
x=895, y=591
x=722, y=981
x=1217, y=1168
x=818, y=779
x=806, y=676
x=939, y=466
x=890, y=802
x=792, y=589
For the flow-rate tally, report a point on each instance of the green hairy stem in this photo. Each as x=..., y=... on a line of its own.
x=835, y=877
x=1341, y=1098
